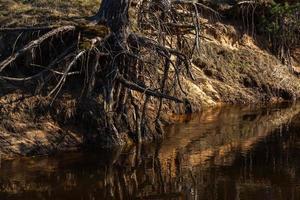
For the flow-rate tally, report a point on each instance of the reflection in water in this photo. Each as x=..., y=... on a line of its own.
x=224, y=153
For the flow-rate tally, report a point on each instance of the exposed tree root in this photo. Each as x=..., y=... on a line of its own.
x=113, y=68
x=149, y=92
x=33, y=45
x=28, y=29
x=278, y=22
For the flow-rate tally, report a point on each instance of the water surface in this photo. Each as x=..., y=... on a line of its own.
x=231, y=153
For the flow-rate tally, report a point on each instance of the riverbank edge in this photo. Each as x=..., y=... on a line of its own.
x=232, y=68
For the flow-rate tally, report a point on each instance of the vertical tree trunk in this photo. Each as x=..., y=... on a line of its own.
x=113, y=13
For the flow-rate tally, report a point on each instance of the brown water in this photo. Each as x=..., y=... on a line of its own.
x=231, y=153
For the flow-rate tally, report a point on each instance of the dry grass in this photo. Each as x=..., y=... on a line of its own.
x=43, y=12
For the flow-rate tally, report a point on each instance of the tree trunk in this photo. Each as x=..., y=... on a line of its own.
x=114, y=14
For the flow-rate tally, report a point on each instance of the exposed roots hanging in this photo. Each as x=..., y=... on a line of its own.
x=33, y=44
x=278, y=22
x=118, y=74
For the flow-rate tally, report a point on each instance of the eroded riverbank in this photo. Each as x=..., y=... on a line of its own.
x=230, y=66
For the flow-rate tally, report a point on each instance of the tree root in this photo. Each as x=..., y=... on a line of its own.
x=108, y=70
x=147, y=91
x=28, y=29
x=33, y=45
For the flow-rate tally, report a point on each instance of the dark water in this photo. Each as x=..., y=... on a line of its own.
x=230, y=153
